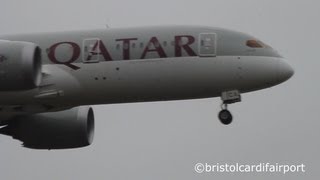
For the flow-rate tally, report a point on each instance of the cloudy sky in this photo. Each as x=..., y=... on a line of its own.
x=165, y=140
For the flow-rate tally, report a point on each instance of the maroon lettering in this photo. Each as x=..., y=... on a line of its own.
x=157, y=48
x=182, y=45
x=126, y=47
x=75, y=54
x=179, y=46
x=102, y=51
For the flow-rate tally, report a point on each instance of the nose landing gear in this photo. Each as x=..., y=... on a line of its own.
x=228, y=97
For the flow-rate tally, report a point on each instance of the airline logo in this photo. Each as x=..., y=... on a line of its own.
x=181, y=43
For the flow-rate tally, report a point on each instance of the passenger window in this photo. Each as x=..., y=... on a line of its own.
x=165, y=43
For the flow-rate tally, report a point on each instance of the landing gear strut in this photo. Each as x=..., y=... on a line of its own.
x=228, y=97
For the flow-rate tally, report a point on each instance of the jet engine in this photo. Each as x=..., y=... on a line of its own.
x=20, y=65
x=67, y=129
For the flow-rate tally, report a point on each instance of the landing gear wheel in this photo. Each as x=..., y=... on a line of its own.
x=225, y=117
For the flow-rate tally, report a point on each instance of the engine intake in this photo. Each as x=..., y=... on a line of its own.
x=20, y=65
x=71, y=128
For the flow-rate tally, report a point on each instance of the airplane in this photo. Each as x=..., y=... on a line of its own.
x=49, y=80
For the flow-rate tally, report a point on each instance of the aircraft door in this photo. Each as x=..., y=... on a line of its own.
x=91, y=50
x=207, y=44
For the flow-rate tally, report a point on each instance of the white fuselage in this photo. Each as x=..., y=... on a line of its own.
x=143, y=64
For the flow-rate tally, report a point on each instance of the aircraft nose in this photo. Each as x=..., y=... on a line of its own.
x=285, y=71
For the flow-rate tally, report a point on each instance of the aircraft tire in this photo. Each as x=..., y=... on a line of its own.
x=225, y=117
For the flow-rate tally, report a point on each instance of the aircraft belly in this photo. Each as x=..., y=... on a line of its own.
x=156, y=80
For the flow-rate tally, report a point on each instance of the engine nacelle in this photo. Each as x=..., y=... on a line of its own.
x=20, y=65
x=71, y=128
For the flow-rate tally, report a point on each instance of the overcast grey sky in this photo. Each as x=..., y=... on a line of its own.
x=165, y=140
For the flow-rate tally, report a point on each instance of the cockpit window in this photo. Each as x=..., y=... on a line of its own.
x=255, y=44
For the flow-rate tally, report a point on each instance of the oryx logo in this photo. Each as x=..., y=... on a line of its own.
x=2, y=58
